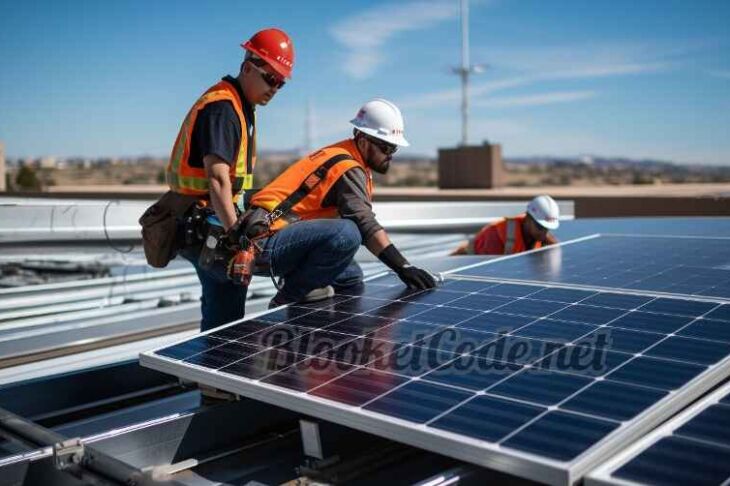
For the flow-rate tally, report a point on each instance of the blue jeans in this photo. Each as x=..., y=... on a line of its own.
x=313, y=254
x=221, y=301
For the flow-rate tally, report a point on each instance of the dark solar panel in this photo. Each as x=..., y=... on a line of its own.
x=693, y=448
x=488, y=418
x=512, y=370
x=711, y=425
x=678, y=461
x=560, y=435
x=618, y=401
x=694, y=266
x=529, y=368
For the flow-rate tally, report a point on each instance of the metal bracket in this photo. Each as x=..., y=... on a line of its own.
x=68, y=453
x=311, y=441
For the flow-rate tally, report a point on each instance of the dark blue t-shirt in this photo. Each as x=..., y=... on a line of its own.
x=217, y=130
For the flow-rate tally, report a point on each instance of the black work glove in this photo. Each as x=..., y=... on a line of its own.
x=413, y=277
x=416, y=278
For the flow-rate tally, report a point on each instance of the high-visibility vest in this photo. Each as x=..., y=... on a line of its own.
x=300, y=173
x=185, y=179
x=508, y=232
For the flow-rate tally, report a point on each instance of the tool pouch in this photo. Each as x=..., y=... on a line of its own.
x=159, y=227
x=214, y=253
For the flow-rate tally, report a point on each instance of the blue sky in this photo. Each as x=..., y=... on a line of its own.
x=616, y=78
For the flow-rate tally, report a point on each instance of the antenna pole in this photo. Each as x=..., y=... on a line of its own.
x=465, y=71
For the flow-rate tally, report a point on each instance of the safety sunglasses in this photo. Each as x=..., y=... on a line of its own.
x=385, y=147
x=270, y=79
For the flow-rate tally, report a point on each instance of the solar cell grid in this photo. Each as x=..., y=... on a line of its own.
x=440, y=316
x=613, y=400
x=495, y=322
x=439, y=357
x=692, y=448
x=555, y=330
x=424, y=320
x=678, y=461
x=721, y=313
x=488, y=418
x=708, y=329
x=711, y=425
x=672, y=265
x=560, y=435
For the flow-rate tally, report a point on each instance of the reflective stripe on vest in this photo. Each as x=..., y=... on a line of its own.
x=299, y=174
x=185, y=179
x=509, y=242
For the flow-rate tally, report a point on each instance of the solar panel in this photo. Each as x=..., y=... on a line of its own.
x=679, y=265
x=536, y=380
x=692, y=448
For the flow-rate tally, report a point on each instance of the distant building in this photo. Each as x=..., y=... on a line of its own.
x=3, y=186
x=471, y=167
x=47, y=163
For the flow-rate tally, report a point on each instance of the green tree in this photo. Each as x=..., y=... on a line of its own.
x=27, y=180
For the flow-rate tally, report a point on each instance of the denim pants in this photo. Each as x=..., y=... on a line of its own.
x=221, y=301
x=313, y=254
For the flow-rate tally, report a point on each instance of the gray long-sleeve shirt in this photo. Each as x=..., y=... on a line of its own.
x=349, y=195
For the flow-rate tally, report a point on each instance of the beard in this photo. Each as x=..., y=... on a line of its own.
x=382, y=168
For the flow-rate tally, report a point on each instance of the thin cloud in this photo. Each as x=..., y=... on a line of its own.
x=440, y=98
x=366, y=33
x=537, y=99
x=550, y=64
x=592, y=58
x=607, y=70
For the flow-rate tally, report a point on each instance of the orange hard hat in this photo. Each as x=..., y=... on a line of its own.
x=275, y=47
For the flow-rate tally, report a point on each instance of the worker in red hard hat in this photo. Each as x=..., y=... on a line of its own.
x=213, y=159
x=527, y=231
x=210, y=168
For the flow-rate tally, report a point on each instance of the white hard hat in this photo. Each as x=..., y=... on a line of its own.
x=381, y=119
x=545, y=211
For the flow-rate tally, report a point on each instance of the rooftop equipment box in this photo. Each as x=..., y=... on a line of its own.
x=471, y=167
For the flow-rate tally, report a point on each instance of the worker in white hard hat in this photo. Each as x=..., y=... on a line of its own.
x=526, y=231
x=318, y=212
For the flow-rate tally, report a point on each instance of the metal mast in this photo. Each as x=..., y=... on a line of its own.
x=465, y=71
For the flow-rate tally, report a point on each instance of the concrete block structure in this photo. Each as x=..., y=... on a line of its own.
x=471, y=167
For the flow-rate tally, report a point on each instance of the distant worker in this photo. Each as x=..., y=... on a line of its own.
x=527, y=231
x=318, y=212
x=214, y=156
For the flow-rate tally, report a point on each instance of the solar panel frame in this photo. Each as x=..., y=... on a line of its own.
x=525, y=464
x=603, y=475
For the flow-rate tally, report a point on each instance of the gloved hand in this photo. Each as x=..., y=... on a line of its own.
x=413, y=277
x=416, y=278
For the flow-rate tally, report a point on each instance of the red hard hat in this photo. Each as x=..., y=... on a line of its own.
x=275, y=47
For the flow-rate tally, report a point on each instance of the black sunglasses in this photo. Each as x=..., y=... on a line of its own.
x=385, y=147
x=270, y=79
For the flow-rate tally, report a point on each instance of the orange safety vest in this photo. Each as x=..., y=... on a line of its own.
x=185, y=179
x=509, y=234
x=300, y=173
